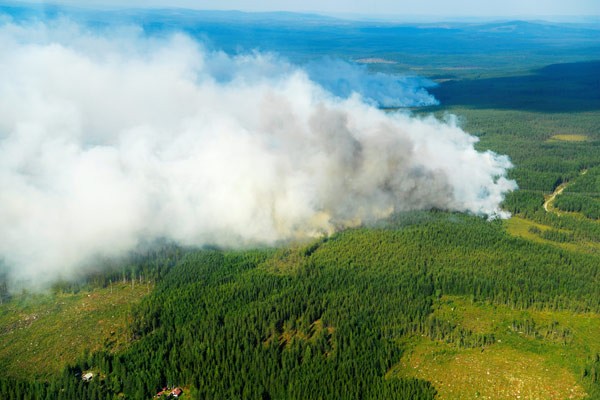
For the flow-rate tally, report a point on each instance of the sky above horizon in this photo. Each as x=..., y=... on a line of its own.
x=436, y=8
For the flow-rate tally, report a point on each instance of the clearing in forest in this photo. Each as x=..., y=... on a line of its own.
x=40, y=334
x=499, y=372
x=535, y=355
x=568, y=138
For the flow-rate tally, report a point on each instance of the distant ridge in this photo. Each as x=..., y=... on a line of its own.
x=52, y=9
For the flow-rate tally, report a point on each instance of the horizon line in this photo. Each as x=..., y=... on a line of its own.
x=346, y=16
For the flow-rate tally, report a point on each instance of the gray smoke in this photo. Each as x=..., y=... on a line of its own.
x=110, y=140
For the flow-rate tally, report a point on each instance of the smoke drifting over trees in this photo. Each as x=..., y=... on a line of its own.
x=342, y=79
x=109, y=140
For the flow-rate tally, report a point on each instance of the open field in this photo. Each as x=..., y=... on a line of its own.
x=568, y=138
x=499, y=372
x=536, y=354
x=533, y=231
x=40, y=334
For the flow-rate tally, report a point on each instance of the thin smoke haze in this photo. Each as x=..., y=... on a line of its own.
x=380, y=89
x=108, y=140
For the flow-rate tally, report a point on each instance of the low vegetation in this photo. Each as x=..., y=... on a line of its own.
x=41, y=333
x=535, y=354
x=568, y=138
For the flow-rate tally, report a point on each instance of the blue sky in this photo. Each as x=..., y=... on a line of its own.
x=437, y=8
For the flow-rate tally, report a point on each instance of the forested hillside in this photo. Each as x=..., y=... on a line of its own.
x=329, y=319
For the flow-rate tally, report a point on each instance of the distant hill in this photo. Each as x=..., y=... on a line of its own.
x=300, y=36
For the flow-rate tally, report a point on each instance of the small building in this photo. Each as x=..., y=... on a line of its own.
x=176, y=392
x=87, y=377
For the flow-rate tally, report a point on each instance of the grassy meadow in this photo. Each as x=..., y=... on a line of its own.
x=41, y=333
x=536, y=355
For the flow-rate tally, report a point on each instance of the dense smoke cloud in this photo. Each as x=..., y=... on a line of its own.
x=108, y=140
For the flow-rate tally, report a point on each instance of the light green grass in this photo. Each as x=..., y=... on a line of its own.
x=499, y=372
x=568, y=138
x=518, y=226
x=40, y=334
x=545, y=364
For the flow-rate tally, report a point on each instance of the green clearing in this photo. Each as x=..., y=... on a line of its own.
x=42, y=333
x=568, y=138
x=498, y=373
x=536, y=354
x=533, y=231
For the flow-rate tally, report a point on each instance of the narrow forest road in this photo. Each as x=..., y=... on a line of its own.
x=548, y=203
x=550, y=199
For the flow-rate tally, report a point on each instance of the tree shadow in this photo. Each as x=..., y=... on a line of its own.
x=572, y=87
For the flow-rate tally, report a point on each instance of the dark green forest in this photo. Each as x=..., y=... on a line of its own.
x=323, y=320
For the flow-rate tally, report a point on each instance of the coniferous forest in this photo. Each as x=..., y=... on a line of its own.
x=323, y=320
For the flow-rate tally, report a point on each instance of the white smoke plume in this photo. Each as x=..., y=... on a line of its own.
x=381, y=89
x=108, y=140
